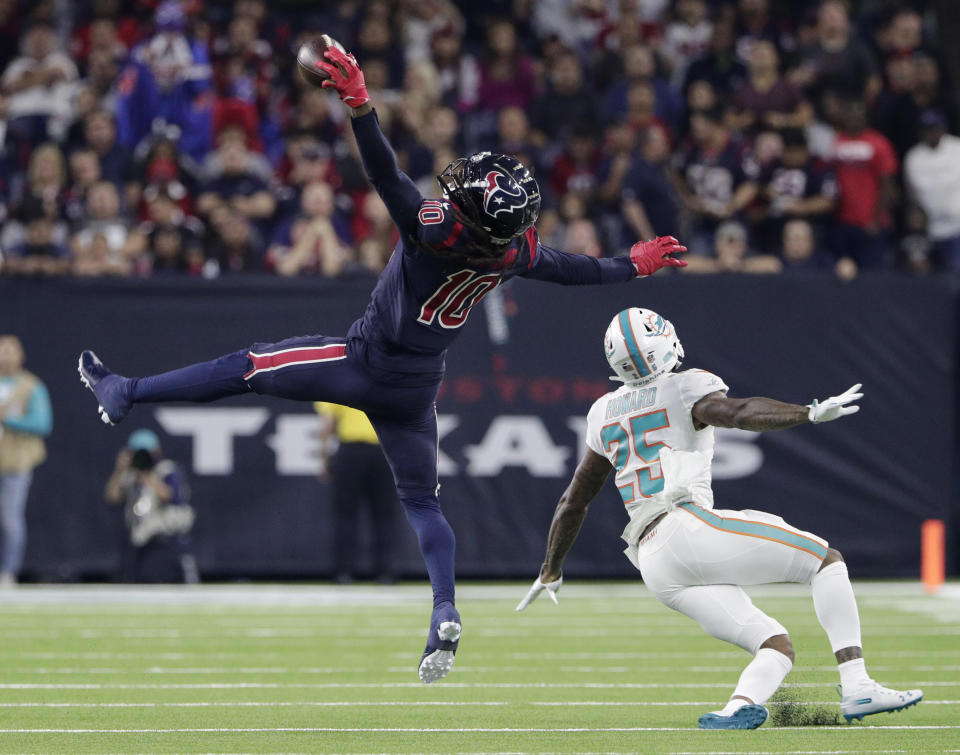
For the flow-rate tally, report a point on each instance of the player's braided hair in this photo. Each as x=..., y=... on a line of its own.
x=477, y=250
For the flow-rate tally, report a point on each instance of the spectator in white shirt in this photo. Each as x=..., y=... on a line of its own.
x=38, y=85
x=687, y=37
x=932, y=172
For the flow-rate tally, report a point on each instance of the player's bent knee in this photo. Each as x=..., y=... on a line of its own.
x=833, y=556
x=781, y=643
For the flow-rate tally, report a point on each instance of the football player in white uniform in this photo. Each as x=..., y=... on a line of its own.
x=656, y=431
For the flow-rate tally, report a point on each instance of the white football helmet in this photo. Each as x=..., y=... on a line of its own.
x=641, y=346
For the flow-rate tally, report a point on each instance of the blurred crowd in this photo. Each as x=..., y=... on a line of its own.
x=174, y=137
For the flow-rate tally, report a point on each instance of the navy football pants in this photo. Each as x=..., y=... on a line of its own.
x=322, y=368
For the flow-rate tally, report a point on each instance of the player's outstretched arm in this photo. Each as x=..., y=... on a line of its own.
x=398, y=192
x=760, y=414
x=568, y=517
x=646, y=257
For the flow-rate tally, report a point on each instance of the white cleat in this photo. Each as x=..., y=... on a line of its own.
x=436, y=663
x=86, y=383
x=110, y=389
x=873, y=698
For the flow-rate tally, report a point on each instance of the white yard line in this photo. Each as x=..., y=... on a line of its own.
x=604, y=752
x=419, y=685
x=335, y=634
x=265, y=596
x=440, y=730
x=738, y=655
x=410, y=704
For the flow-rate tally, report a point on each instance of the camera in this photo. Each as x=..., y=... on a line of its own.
x=142, y=460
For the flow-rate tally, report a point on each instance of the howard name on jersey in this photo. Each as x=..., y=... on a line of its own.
x=633, y=424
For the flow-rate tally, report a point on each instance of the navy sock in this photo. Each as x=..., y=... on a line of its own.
x=205, y=381
x=437, y=544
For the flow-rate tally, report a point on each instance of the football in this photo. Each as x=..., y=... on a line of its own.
x=310, y=55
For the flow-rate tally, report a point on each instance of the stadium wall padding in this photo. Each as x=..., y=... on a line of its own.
x=520, y=379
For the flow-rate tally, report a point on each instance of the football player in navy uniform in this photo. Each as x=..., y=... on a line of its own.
x=452, y=252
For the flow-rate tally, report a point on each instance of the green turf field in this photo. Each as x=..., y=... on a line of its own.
x=332, y=670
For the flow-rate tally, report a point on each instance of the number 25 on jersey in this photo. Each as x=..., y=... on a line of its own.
x=628, y=439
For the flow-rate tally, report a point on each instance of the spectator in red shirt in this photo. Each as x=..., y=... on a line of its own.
x=575, y=169
x=866, y=166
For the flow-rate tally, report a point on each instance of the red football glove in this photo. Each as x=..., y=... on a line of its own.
x=346, y=77
x=649, y=256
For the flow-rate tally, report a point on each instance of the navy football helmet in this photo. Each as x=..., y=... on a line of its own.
x=496, y=193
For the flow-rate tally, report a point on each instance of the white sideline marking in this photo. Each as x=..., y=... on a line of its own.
x=267, y=704
x=641, y=703
x=319, y=633
x=606, y=752
x=558, y=656
x=440, y=730
x=419, y=685
x=635, y=597
x=413, y=704
x=194, y=670
x=214, y=670
x=465, y=669
x=738, y=654
x=44, y=655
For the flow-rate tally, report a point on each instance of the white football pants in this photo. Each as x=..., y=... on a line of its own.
x=695, y=560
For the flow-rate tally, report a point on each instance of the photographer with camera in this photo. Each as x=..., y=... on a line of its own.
x=157, y=513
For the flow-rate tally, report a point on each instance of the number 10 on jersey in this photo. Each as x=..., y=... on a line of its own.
x=634, y=452
x=451, y=303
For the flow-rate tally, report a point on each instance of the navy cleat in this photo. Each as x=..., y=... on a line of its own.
x=110, y=390
x=442, y=643
x=747, y=717
x=873, y=698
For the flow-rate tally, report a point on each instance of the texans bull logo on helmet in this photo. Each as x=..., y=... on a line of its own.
x=498, y=196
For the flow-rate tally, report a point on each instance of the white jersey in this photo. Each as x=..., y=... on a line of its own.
x=633, y=424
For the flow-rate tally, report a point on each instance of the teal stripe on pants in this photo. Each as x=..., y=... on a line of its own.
x=756, y=529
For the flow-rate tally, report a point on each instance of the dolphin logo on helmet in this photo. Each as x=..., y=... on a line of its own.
x=656, y=325
x=640, y=346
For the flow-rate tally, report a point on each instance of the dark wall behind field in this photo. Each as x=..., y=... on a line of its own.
x=520, y=379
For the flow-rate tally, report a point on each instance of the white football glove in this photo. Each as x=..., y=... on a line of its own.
x=539, y=587
x=835, y=406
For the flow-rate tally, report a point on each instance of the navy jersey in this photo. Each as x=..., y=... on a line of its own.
x=714, y=177
x=422, y=299
x=787, y=184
